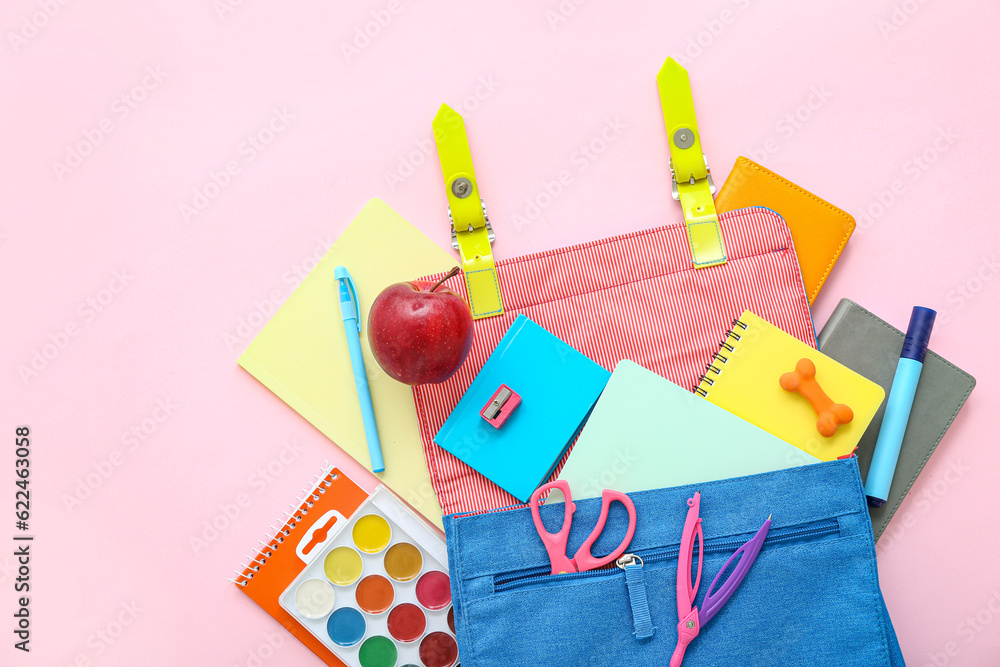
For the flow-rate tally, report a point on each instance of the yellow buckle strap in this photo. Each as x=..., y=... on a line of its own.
x=692, y=179
x=471, y=232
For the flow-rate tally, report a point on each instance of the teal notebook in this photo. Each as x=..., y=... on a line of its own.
x=558, y=387
x=648, y=433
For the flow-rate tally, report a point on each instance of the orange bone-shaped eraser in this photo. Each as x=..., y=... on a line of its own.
x=803, y=380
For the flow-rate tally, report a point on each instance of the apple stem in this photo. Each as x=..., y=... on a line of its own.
x=451, y=273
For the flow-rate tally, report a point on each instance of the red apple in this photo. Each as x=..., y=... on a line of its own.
x=419, y=331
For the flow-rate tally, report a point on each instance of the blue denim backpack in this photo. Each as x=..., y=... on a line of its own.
x=811, y=598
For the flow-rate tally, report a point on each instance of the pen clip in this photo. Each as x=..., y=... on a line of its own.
x=340, y=273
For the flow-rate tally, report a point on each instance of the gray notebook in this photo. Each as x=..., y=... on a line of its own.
x=867, y=344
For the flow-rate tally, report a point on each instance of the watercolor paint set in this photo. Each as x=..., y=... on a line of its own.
x=359, y=578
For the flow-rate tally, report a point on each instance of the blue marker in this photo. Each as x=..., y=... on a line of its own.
x=350, y=312
x=897, y=409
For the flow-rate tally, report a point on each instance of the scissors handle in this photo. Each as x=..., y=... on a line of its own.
x=583, y=558
x=555, y=543
x=687, y=630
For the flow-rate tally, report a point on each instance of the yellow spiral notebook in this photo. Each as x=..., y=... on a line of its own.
x=743, y=378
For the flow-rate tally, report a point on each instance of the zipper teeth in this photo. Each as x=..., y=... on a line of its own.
x=525, y=577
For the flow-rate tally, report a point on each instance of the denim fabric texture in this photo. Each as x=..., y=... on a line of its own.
x=812, y=597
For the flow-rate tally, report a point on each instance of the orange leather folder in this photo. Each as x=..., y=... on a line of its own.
x=819, y=229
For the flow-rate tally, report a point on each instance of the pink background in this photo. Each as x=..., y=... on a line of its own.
x=535, y=91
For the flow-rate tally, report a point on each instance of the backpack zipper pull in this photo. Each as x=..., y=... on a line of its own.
x=635, y=581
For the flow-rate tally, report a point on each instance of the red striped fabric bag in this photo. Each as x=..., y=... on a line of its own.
x=635, y=296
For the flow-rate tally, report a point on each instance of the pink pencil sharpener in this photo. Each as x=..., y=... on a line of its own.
x=500, y=406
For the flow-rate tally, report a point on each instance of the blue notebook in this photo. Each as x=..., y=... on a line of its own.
x=558, y=387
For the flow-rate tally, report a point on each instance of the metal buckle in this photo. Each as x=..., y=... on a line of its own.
x=674, y=192
x=489, y=228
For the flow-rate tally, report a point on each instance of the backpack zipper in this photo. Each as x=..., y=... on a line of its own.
x=542, y=574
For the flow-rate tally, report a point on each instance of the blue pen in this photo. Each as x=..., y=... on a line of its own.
x=350, y=312
x=897, y=409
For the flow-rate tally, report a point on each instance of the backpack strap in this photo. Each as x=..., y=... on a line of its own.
x=471, y=233
x=692, y=179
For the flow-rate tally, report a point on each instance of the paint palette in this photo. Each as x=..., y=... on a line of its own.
x=375, y=590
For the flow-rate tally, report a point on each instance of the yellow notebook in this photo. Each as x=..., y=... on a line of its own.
x=743, y=379
x=301, y=354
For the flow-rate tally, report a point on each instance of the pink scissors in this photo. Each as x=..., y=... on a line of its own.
x=555, y=543
x=691, y=618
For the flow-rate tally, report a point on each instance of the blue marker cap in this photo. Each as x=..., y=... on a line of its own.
x=918, y=334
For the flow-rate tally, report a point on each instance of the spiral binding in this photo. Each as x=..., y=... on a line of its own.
x=724, y=346
x=310, y=494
